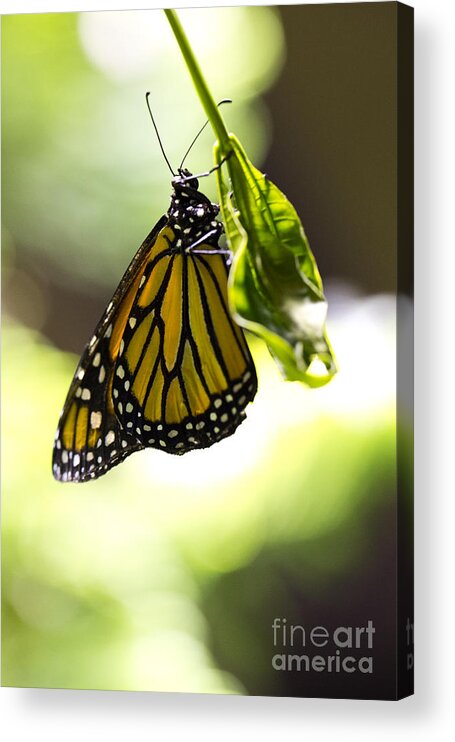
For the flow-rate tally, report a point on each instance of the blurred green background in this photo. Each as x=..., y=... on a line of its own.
x=166, y=574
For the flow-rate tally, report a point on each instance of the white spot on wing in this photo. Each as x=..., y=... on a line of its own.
x=95, y=420
x=110, y=438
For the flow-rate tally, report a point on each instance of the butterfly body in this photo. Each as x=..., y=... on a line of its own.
x=167, y=367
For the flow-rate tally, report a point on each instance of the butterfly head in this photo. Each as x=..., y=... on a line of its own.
x=185, y=178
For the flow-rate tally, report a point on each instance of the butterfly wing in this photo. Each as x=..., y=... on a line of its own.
x=89, y=439
x=184, y=373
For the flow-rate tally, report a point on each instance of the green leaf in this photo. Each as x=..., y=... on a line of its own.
x=275, y=288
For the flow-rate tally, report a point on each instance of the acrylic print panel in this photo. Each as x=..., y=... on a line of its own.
x=275, y=559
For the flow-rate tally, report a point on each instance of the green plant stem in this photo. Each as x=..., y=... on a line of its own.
x=205, y=96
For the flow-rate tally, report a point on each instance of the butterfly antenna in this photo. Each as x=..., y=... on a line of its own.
x=157, y=134
x=225, y=100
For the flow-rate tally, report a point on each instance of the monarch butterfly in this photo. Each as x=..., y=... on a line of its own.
x=167, y=367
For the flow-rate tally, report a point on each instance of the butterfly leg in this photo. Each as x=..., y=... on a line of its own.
x=215, y=251
x=209, y=172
